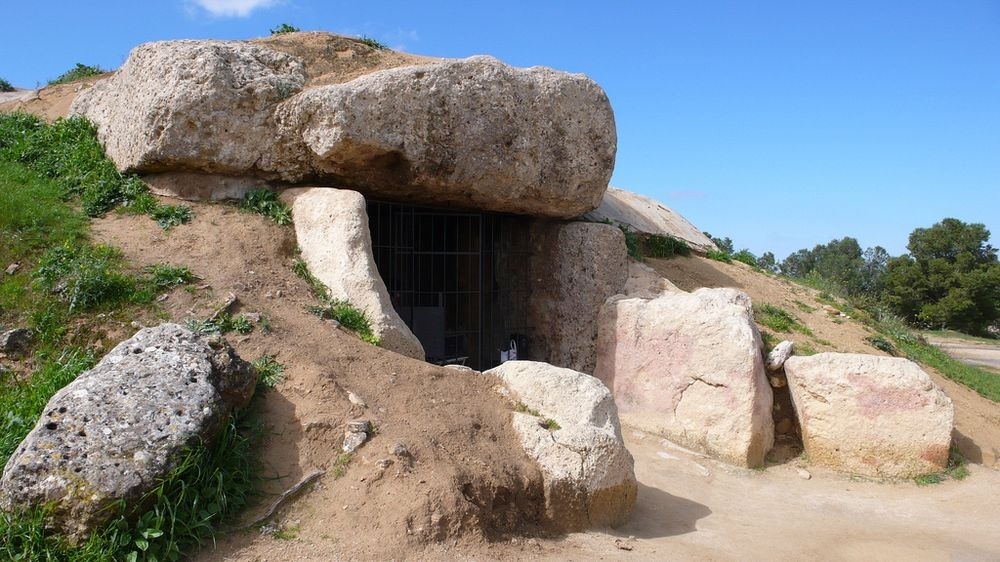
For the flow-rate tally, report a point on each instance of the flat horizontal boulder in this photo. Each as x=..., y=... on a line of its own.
x=870, y=415
x=471, y=133
x=688, y=367
x=568, y=423
x=109, y=435
x=192, y=106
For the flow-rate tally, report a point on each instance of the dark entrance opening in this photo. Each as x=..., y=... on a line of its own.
x=458, y=279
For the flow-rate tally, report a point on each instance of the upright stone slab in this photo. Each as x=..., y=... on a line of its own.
x=331, y=226
x=870, y=415
x=688, y=366
x=111, y=433
x=575, y=268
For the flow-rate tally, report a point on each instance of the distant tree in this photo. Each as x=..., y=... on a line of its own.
x=951, y=278
x=284, y=28
x=724, y=244
x=5, y=86
x=767, y=262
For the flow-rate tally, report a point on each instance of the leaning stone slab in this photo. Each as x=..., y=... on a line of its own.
x=331, y=226
x=688, y=366
x=111, y=433
x=588, y=473
x=870, y=415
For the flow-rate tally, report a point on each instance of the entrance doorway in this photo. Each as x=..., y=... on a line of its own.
x=458, y=279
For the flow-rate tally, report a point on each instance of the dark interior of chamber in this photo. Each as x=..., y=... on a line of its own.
x=460, y=280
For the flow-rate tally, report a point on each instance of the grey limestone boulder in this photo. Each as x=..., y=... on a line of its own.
x=184, y=106
x=112, y=432
x=208, y=119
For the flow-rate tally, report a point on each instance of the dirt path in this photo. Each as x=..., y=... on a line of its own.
x=980, y=354
x=693, y=508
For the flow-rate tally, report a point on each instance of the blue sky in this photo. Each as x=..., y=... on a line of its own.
x=778, y=124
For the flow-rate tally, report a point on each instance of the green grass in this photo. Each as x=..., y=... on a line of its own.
x=917, y=349
x=957, y=469
x=339, y=469
x=881, y=343
x=5, y=86
x=631, y=242
x=69, y=154
x=317, y=287
x=804, y=307
x=658, y=246
x=373, y=43
x=779, y=319
x=349, y=317
x=952, y=334
x=719, y=255
x=524, y=409
x=69, y=291
x=265, y=202
x=270, y=373
x=805, y=349
x=284, y=28
x=551, y=424
x=223, y=324
x=77, y=72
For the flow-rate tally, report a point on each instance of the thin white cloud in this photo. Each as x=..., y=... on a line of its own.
x=233, y=8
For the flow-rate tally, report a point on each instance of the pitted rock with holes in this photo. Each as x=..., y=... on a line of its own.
x=111, y=433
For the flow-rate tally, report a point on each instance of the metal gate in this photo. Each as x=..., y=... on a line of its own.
x=441, y=270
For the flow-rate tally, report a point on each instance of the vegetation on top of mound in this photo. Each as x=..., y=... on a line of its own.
x=662, y=246
x=77, y=72
x=5, y=86
x=284, y=28
x=68, y=153
x=373, y=43
x=67, y=290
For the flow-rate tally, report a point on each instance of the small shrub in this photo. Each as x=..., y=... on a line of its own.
x=223, y=324
x=880, y=343
x=524, y=409
x=658, y=246
x=5, y=86
x=719, y=255
x=349, y=317
x=551, y=424
x=169, y=216
x=373, y=43
x=76, y=73
x=747, y=257
x=340, y=466
x=631, y=242
x=779, y=319
x=269, y=371
x=164, y=276
x=284, y=28
x=928, y=479
x=265, y=202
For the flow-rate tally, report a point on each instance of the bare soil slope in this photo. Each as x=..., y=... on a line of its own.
x=464, y=478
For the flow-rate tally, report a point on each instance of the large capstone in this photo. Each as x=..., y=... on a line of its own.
x=472, y=133
x=105, y=439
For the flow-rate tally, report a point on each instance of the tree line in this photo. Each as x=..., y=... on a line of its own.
x=950, y=278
